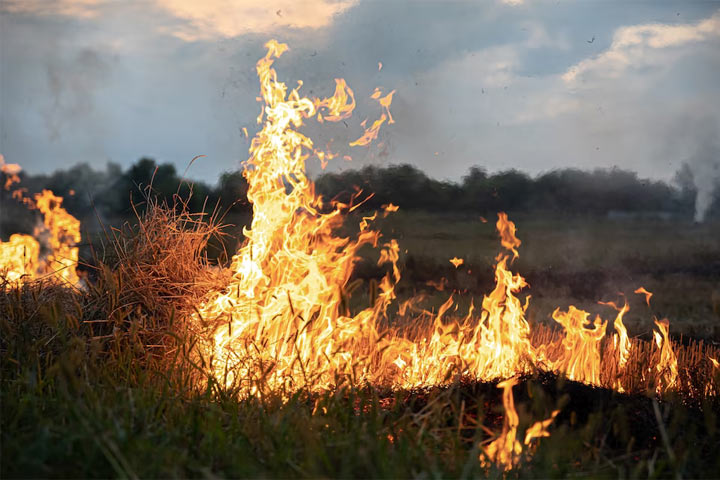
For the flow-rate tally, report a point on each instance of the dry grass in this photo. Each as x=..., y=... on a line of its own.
x=151, y=276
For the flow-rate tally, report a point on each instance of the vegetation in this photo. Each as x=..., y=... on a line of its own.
x=89, y=192
x=565, y=192
x=574, y=260
x=101, y=382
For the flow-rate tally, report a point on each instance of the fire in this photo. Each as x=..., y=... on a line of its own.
x=63, y=235
x=11, y=171
x=506, y=229
x=648, y=295
x=666, y=366
x=457, y=261
x=621, y=341
x=282, y=310
x=284, y=322
x=505, y=451
x=580, y=357
x=340, y=105
x=372, y=132
x=389, y=208
x=20, y=257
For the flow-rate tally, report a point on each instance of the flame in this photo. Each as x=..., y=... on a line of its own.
x=283, y=308
x=580, y=357
x=666, y=366
x=506, y=229
x=505, y=451
x=539, y=429
x=11, y=171
x=647, y=294
x=621, y=341
x=715, y=363
x=372, y=132
x=390, y=207
x=64, y=231
x=457, y=261
x=340, y=106
x=20, y=260
x=284, y=323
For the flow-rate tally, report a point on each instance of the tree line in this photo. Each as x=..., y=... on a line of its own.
x=565, y=191
x=110, y=192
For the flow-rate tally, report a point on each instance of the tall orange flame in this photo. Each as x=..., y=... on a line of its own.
x=284, y=323
x=666, y=366
x=505, y=451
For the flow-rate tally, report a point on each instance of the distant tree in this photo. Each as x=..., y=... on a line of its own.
x=568, y=190
x=162, y=181
x=477, y=194
x=510, y=191
x=232, y=191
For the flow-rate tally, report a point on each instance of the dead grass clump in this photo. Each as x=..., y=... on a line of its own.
x=151, y=277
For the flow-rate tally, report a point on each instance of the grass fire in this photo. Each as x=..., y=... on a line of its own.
x=306, y=337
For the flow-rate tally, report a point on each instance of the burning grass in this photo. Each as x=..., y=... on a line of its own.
x=71, y=410
x=120, y=396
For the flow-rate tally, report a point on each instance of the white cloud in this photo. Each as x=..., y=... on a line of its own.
x=198, y=20
x=640, y=45
x=231, y=18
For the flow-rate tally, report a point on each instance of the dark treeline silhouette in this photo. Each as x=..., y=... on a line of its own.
x=111, y=192
x=566, y=191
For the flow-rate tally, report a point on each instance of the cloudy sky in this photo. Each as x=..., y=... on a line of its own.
x=533, y=85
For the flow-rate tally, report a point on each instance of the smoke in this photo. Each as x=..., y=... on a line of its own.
x=706, y=173
x=72, y=84
x=696, y=139
x=705, y=165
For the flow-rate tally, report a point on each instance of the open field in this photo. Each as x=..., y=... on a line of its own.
x=572, y=261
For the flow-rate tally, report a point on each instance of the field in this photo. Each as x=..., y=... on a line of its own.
x=576, y=260
x=98, y=384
